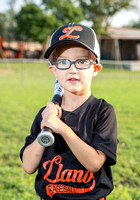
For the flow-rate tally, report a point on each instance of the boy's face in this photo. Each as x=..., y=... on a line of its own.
x=73, y=80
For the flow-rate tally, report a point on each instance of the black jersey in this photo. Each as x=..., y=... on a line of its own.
x=60, y=174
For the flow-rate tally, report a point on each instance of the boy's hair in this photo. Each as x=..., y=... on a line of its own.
x=74, y=34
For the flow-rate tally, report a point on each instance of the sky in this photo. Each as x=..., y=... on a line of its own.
x=122, y=18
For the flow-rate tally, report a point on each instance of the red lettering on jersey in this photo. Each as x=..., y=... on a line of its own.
x=67, y=175
x=69, y=30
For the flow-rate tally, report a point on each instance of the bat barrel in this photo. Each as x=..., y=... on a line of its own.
x=46, y=138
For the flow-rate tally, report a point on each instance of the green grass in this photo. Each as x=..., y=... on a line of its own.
x=25, y=88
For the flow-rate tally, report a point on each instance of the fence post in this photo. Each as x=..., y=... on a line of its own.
x=23, y=73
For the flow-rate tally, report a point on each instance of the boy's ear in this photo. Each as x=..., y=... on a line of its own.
x=52, y=68
x=96, y=69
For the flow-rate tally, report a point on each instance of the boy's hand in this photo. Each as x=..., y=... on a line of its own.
x=51, y=117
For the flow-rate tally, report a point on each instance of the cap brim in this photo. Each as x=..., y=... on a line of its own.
x=64, y=42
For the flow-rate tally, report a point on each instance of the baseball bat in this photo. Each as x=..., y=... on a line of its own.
x=46, y=138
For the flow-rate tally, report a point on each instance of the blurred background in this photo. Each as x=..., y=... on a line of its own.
x=26, y=26
x=26, y=84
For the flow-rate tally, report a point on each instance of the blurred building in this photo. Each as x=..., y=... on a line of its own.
x=120, y=44
x=19, y=49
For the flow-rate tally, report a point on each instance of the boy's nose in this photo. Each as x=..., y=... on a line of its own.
x=73, y=67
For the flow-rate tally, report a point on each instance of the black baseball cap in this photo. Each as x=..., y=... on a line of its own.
x=76, y=34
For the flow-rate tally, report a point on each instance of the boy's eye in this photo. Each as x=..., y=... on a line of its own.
x=63, y=62
x=82, y=62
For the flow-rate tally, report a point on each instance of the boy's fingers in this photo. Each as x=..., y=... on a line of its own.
x=59, y=111
x=53, y=108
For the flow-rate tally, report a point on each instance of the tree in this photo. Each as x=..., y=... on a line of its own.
x=135, y=24
x=33, y=24
x=11, y=24
x=64, y=11
x=99, y=12
x=36, y=23
x=3, y=26
x=7, y=21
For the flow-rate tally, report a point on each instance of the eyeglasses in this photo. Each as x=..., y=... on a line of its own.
x=79, y=63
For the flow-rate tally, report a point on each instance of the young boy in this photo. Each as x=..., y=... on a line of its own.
x=77, y=165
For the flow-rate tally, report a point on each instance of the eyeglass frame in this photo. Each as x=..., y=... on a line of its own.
x=91, y=62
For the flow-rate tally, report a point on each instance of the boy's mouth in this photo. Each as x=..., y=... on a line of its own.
x=73, y=80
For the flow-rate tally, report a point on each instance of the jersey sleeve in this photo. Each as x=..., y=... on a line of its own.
x=105, y=134
x=35, y=130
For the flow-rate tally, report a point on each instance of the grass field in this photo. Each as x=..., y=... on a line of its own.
x=25, y=88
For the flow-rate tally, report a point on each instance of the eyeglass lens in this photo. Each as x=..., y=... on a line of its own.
x=80, y=63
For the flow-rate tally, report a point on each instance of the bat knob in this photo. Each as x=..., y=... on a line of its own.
x=45, y=139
